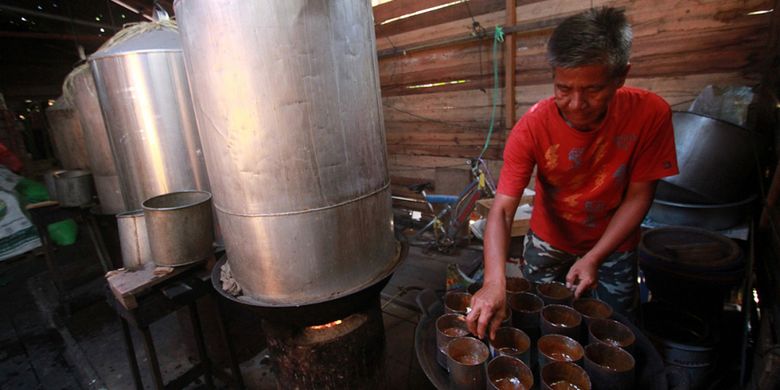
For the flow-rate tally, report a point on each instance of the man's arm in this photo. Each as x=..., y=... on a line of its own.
x=584, y=273
x=487, y=305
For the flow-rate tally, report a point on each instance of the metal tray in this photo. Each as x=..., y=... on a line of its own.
x=650, y=372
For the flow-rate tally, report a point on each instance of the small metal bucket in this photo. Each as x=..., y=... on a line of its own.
x=74, y=188
x=180, y=227
x=133, y=240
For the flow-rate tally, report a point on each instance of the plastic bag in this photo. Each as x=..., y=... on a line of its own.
x=63, y=233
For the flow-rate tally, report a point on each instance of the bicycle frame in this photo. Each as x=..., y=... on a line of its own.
x=457, y=208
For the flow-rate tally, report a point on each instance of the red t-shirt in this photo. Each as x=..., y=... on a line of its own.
x=582, y=176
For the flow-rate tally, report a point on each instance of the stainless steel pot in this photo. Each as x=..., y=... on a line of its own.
x=292, y=132
x=143, y=92
x=74, y=188
x=179, y=227
x=101, y=160
x=133, y=239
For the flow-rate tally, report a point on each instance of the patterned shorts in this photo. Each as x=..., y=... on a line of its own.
x=618, y=274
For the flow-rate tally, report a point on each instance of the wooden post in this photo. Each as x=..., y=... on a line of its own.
x=509, y=66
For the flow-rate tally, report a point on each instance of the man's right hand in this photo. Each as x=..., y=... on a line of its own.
x=487, y=310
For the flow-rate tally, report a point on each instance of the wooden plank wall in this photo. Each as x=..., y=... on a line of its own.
x=680, y=46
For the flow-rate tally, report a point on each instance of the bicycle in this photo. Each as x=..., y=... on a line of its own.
x=455, y=213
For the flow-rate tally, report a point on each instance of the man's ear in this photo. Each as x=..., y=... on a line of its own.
x=621, y=77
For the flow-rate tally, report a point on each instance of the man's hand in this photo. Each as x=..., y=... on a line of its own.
x=583, y=275
x=487, y=310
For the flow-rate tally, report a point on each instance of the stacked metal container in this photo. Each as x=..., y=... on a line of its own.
x=292, y=129
x=145, y=99
x=67, y=135
x=80, y=87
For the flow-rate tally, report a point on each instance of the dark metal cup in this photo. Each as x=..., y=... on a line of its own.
x=506, y=372
x=592, y=308
x=564, y=375
x=466, y=358
x=559, y=348
x=525, y=310
x=609, y=367
x=448, y=327
x=457, y=302
x=516, y=285
x=555, y=293
x=511, y=342
x=562, y=320
x=613, y=333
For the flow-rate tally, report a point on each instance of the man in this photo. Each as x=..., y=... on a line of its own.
x=599, y=149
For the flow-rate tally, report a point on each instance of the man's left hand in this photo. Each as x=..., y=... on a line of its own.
x=583, y=275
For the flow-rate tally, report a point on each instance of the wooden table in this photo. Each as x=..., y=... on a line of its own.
x=144, y=296
x=45, y=213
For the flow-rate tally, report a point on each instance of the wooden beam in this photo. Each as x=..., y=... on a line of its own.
x=509, y=66
x=521, y=28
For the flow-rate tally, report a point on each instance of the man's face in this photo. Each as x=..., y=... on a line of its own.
x=582, y=94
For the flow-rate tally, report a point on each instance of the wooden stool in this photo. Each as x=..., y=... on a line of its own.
x=144, y=296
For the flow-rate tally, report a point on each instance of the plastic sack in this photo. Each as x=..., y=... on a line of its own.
x=730, y=103
x=17, y=233
x=63, y=233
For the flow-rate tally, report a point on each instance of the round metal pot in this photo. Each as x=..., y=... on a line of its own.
x=51, y=186
x=133, y=239
x=74, y=188
x=708, y=216
x=180, y=227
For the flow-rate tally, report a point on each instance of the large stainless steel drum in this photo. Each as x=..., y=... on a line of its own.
x=81, y=88
x=66, y=135
x=143, y=92
x=294, y=140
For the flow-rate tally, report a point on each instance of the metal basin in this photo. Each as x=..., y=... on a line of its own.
x=707, y=216
x=716, y=158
